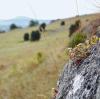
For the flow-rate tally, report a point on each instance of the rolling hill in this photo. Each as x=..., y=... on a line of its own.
x=20, y=21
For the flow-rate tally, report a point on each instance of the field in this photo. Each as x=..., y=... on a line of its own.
x=22, y=74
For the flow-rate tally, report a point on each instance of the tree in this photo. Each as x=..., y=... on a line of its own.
x=13, y=26
x=78, y=23
x=35, y=35
x=33, y=23
x=62, y=23
x=26, y=37
x=42, y=27
x=74, y=27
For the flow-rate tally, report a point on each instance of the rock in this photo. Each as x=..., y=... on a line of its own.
x=81, y=81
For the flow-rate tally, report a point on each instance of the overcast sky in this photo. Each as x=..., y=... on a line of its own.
x=45, y=9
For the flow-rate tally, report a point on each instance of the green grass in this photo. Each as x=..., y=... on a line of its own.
x=76, y=39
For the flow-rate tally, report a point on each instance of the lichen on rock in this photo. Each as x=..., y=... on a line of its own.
x=81, y=81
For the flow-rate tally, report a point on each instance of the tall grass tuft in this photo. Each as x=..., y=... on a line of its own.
x=76, y=39
x=40, y=57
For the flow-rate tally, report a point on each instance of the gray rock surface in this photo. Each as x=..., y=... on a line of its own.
x=81, y=81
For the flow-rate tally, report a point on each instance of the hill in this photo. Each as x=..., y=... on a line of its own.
x=22, y=75
x=20, y=21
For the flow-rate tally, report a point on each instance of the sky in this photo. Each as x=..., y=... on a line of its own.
x=45, y=9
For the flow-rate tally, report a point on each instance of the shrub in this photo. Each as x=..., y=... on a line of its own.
x=33, y=23
x=76, y=39
x=74, y=27
x=42, y=27
x=35, y=36
x=78, y=23
x=62, y=23
x=26, y=37
x=13, y=26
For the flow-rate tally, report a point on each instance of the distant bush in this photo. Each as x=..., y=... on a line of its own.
x=76, y=39
x=26, y=37
x=35, y=36
x=13, y=26
x=2, y=31
x=87, y=20
x=33, y=23
x=42, y=27
x=78, y=23
x=62, y=23
x=74, y=27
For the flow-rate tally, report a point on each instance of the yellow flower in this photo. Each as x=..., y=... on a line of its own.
x=94, y=39
x=87, y=44
x=99, y=39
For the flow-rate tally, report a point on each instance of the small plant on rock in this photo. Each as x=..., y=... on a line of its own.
x=82, y=50
x=76, y=39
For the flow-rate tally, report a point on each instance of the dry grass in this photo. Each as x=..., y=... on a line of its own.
x=22, y=76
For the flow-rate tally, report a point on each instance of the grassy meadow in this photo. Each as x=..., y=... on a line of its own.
x=23, y=75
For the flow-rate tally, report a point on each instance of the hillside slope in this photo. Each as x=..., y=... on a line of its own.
x=22, y=76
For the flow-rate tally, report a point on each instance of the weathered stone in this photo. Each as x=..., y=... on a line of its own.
x=81, y=81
